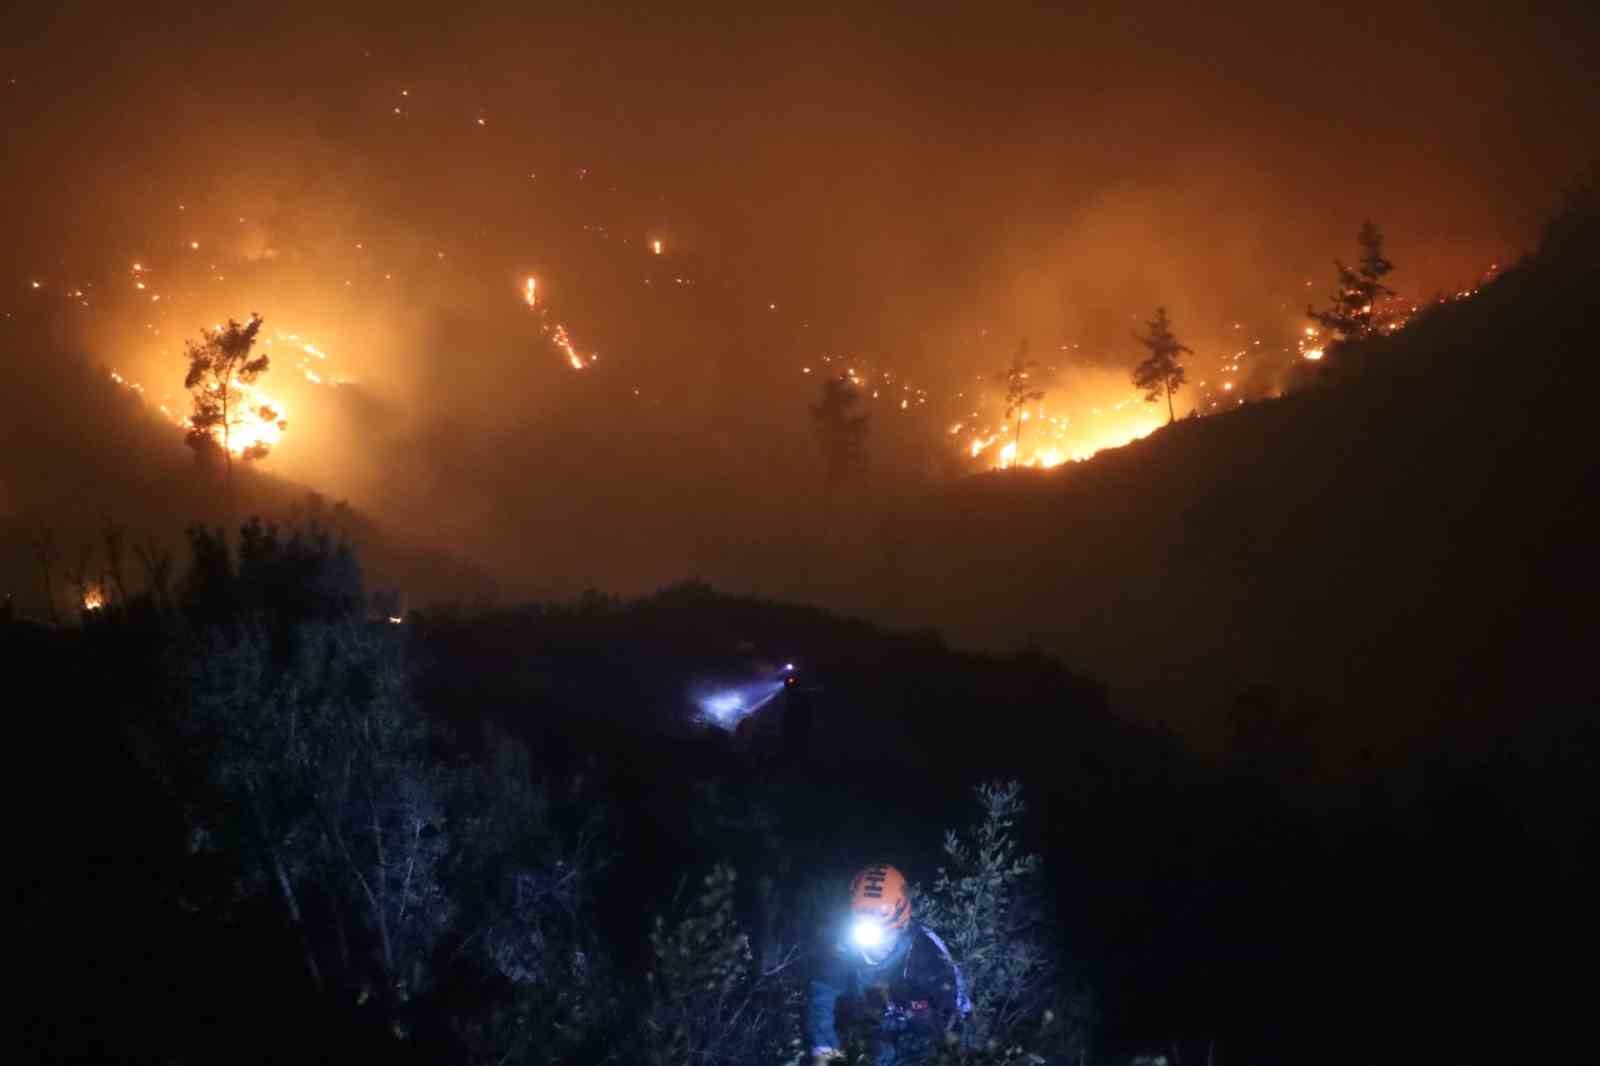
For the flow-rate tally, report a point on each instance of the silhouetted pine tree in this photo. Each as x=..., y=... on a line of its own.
x=219, y=366
x=1020, y=393
x=1352, y=312
x=843, y=436
x=1161, y=371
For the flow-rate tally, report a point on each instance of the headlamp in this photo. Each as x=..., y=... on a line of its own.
x=867, y=932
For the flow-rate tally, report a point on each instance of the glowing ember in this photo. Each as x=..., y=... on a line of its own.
x=530, y=292
x=655, y=247
x=93, y=598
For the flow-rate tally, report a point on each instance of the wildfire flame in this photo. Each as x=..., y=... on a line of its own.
x=259, y=420
x=564, y=342
x=558, y=333
x=1310, y=347
x=1053, y=440
x=991, y=441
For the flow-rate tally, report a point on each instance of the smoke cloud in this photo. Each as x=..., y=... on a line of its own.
x=905, y=194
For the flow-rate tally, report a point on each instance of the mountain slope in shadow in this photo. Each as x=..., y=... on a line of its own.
x=1396, y=545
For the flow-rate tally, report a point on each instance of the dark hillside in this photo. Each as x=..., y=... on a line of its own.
x=1196, y=901
x=1393, y=546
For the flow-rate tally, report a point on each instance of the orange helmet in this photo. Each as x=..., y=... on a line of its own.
x=879, y=892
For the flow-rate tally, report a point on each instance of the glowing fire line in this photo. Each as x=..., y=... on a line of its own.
x=557, y=333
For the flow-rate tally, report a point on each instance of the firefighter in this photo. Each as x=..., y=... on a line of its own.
x=885, y=976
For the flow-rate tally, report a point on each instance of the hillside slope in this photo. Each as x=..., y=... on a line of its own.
x=1397, y=545
x=79, y=454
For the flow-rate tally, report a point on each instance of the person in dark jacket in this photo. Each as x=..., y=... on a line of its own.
x=886, y=976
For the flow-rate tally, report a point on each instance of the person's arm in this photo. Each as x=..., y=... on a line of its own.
x=827, y=984
x=958, y=1003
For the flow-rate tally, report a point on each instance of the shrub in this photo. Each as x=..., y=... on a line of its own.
x=985, y=903
x=708, y=1002
x=315, y=774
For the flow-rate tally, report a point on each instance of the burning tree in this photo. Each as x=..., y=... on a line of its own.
x=1161, y=371
x=1020, y=393
x=842, y=432
x=1351, y=312
x=224, y=406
